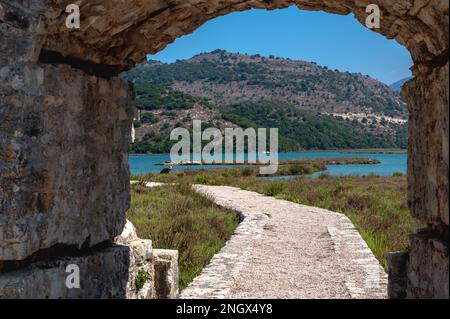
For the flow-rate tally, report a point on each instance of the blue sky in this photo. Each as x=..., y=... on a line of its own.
x=338, y=42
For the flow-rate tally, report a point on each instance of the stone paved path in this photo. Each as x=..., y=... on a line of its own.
x=285, y=250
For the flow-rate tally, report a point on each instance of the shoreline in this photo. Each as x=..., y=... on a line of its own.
x=342, y=151
x=300, y=161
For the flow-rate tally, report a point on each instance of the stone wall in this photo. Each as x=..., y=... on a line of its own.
x=425, y=267
x=64, y=147
x=64, y=176
x=120, y=33
x=64, y=136
x=108, y=271
x=428, y=165
x=65, y=120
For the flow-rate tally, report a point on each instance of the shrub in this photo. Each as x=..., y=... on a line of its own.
x=177, y=217
x=360, y=201
x=300, y=169
x=141, y=278
x=247, y=172
x=202, y=179
x=273, y=189
x=149, y=118
x=137, y=124
x=181, y=174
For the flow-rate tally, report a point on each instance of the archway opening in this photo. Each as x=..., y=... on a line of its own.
x=67, y=185
x=325, y=114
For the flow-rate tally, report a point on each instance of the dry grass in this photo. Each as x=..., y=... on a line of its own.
x=176, y=217
x=376, y=205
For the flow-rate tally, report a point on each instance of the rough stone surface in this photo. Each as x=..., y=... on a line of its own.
x=397, y=263
x=286, y=250
x=103, y=274
x=424, y=273
x=64, y=134
x=21, y=30
x=141, y=260
x=428, y=272
x=428, y=164
x=166, y=273
x=63, y=158
x=119, y=33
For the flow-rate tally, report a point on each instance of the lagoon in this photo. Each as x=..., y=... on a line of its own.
x=390, y=163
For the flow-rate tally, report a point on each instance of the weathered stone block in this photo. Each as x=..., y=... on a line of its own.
x=103, y=275
x=141, y=262
x=22, y=29
x=428, y=162
x=427, y=270
x=64, y=175
x=397, y=263
x=166, y=273
x=20, y=80
x=20, y=44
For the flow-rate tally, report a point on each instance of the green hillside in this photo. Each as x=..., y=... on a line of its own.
x=314, y=108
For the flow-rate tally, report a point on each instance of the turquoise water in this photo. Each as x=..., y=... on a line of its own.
x=390, y=163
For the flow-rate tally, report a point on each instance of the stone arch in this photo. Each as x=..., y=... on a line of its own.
x=47, y=171
x=120, y=33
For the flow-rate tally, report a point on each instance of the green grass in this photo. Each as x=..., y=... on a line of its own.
x=141, y=279
x=229, y=176
x=377, y=151
x=176, y=217
x=273, y=189
x=376, y=205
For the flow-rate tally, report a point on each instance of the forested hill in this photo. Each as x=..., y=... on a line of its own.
x=314, y=107
x=225, y=78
